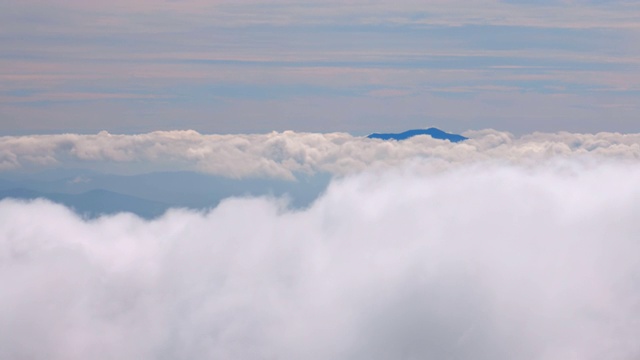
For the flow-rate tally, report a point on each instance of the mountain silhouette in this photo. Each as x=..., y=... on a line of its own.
x=149, y=195
x=94, y=203
x=433, y=132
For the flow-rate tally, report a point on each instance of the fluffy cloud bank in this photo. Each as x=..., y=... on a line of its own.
x=498, y=262
x=281, y=155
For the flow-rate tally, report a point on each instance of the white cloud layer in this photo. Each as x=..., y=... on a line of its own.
x=281, y=155
x=492, y=262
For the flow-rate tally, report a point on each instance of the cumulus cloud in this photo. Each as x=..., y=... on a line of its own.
x=474, y=262
x=282, y=155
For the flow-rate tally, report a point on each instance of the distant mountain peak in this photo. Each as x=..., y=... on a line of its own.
x=433, y=132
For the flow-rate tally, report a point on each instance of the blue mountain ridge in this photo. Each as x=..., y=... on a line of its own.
x=433, y=132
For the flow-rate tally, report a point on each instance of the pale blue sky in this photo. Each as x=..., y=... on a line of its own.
x=358, y=66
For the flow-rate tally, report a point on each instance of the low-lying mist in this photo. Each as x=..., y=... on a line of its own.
x=476, y=262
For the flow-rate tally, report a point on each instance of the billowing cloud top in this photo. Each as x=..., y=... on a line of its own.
x=282, y=155
x=494, y=263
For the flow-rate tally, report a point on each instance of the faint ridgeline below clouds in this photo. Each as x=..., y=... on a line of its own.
x=149, y=195
x=94, y=203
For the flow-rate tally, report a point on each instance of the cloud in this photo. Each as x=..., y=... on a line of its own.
x=282, y=155
x=476, y=262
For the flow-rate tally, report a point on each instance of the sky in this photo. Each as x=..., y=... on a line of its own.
x=359, y=66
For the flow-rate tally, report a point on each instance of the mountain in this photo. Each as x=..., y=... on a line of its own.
x=94, y=203
x=150, y=194
x=6, y=184
x=433, y=132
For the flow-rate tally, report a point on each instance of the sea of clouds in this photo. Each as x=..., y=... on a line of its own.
x=509, y=259
x=283, y=155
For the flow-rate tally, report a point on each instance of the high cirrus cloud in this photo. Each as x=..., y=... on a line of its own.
x=499, y=262
x=281, y=155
